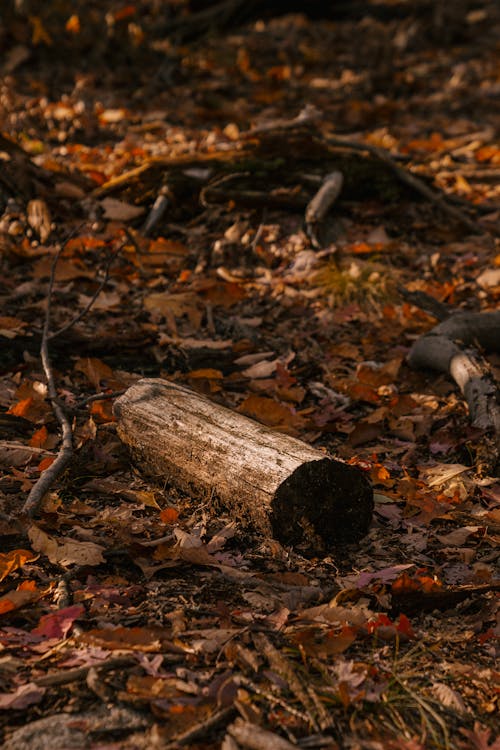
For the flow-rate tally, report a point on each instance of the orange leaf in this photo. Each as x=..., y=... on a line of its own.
x=404, y=584
x=21, y=408
x=169, y=515
x=223, y=293
x=46, y=462
x=361, y=248
x=25, y=593
x=15, y=559
x=27, y=586
x=185, y=276
x=73, y=24
x=39, y=438
x=85, y=242
x=102, y=411
x=271, y=412
x=381, y=621
x=361, y=392
x=382, y=473
x=126, y=12
x=207, y=372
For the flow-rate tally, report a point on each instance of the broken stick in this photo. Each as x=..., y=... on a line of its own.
x=449, y=347
x=278, y=485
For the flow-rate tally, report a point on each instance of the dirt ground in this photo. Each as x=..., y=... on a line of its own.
x=156, y=169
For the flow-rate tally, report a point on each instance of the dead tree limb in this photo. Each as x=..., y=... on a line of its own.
x=450, y=347
x=278, y=485
x=414, y=182
x=321, y=203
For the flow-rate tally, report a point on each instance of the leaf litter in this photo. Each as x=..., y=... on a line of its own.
x=194, y=631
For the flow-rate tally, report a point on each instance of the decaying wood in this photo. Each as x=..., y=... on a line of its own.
x=321, y=203
x=449, y=348
x=278, y=485
x=281, y=151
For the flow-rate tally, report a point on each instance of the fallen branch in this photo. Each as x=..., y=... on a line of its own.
x=414, y=182
x=278, y=485
x=66, y=676
x=450, y=348
x=321, y=203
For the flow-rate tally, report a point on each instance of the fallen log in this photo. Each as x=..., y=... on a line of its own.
x=276, y=484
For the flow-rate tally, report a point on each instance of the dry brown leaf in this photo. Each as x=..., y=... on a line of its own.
x=176, y=305
x=117, y=210
x=448, y=697
x=65, y=551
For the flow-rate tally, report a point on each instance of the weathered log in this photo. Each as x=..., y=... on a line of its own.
x=278, y=485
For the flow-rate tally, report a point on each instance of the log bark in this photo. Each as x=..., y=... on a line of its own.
x=278, y=485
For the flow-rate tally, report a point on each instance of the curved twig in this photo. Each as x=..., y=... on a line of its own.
x=65, y=454
x=48, y=477
x=89, y=304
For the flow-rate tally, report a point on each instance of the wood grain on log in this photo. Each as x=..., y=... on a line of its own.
x=278, y=485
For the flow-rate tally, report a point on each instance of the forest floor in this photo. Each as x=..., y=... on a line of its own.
x=113, y=634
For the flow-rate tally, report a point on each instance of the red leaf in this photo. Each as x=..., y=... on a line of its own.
x=58, y=624
x=404, y=626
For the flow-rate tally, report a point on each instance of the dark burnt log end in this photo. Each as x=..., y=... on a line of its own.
x=326, y=498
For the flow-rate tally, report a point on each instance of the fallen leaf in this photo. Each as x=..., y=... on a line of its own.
x=58, y=624
x=65, y=551
x=479, y=738
x=25, y=593
x=13, y=560
x=448, y=697
x=169, y=515
x=39, y=437
x=94, y=369
x=25, y=695
x=458, y=537
x=11, y=327
x=117, y=210
x=272, y=413
x=132, y=639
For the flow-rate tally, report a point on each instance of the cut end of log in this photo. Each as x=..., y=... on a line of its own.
x=323, y=502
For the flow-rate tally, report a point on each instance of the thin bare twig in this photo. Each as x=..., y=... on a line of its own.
x=90, y=303
x=202, y=729
x=99, y=397
x=65, y=454
x=48, y=477
x=64, y=677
